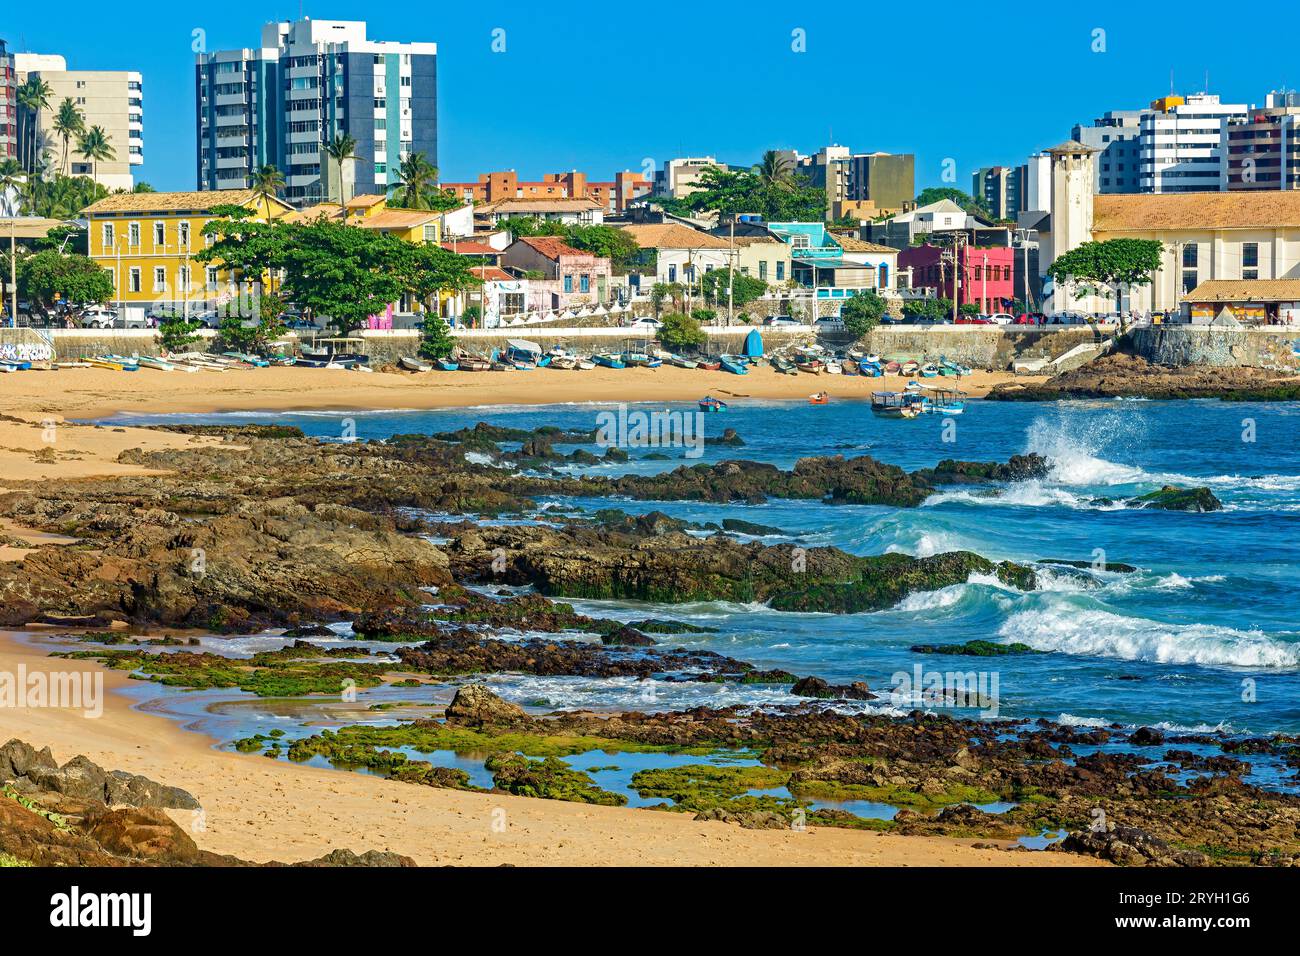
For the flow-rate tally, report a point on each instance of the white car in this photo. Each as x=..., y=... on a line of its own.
x=1002, y=318
x=98, y=318
x=645, y=322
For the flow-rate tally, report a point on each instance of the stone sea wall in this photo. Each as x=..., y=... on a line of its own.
x=1181, y=345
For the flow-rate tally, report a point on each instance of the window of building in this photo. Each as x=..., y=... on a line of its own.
x=108, y=235
x=133, y=234
x=568, y=283
x=1006, y=273
x=584, y=283
x=183, y=231
x=160, y=234
x=1250, y=254
x=1189, y=256
x=762, y=269
x=672, y=273
x=133, y=280
x=1189, y=280
x=212, y=277
x=159, y=279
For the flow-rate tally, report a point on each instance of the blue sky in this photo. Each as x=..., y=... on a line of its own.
x=600, y=87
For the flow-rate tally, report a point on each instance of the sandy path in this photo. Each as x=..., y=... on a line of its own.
x=92, y=393
x=261, y=809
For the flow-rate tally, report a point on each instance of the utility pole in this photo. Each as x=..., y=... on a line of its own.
x=731, y=276
x=13, y=269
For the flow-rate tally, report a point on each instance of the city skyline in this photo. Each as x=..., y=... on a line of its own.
x=506, y=98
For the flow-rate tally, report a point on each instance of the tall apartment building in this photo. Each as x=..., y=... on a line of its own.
x=851, y=179
x=1115, y=135
x=678, y=178
x=1180, y=144
x=113, y=100
x=1004, y=189
x=308, y=83
x=8, y=105
x=1263, y=152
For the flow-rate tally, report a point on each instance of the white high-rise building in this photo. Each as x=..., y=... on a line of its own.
x=1180, y=144
x=113, y=100
x=308, y=83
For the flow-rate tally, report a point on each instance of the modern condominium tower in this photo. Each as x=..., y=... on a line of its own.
x=311, y=82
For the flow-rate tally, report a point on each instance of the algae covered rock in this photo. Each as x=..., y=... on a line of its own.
x=1173, y=498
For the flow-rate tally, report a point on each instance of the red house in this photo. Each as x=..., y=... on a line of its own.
x=987, y=279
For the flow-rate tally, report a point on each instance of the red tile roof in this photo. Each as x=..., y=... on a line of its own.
x=467, y=247
x=552, y=247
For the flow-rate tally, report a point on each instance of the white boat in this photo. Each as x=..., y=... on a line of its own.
x=148, y=361
x=834, y=368
x=412, y=364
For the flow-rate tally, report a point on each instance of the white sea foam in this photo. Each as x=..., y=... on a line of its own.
x=1073, y=452
x=1069, y=629
x=1069, y=720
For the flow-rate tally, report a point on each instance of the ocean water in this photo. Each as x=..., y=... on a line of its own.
x=1204, y=636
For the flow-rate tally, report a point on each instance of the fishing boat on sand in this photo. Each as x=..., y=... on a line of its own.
x=730, y=363
x=710, y=404
x=893, y=368
x=870, y=369
x=608, y=360
x=412, y=364
x=910, y=367
x=929, y=370
x=709, y=363
x=782, y=365
x=681, y=361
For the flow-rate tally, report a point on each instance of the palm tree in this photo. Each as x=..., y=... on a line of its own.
x=69, y=121
x=267, y=184
x=341, y=149
x=95, y=146
x=418, y=179
x=12, y=178
x=32, y=97
x=775, y=170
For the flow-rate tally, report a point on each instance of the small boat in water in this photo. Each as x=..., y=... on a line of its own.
x=895, y=405
x=710, y=404
x=943, y=401
x=819, y=398
x=730, y=364
x=412, y=364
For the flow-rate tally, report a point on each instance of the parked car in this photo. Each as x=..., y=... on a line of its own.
x=1002, y=318
x=97, y=318
x=208, y=319
x=1067, y=318
x=645, y=322
x=1030, y=318
x=781, y=321
x=972, y=320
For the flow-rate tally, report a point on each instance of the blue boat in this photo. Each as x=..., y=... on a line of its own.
x=870, y=369
x=710, y=404
x=730, y=364
x=447, y=365
x=754, y=345
x=608, y=360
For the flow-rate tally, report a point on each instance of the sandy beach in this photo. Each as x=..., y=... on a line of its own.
x=94, y=393
x=263, y=809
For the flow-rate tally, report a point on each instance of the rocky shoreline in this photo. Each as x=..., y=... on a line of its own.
x=271, y=530
x=1124, y=375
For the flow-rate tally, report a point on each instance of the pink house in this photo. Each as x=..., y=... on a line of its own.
x=569, y=276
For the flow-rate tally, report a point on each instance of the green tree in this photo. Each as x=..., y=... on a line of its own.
x=1112, y=265
x=45, y=277
x=744, y=289
x=775, y=171
x=94, y=145
x=732, y=192
x=177, y=333
x=418, y=187
x=32, y=97
x=341, y=149
x=681, y=331
x=69, y=123
x=862, y=312
x=616, y=245
x=934, y=310
x=436, y=340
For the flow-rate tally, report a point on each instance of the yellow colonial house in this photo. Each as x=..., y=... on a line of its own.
x=147, y=241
